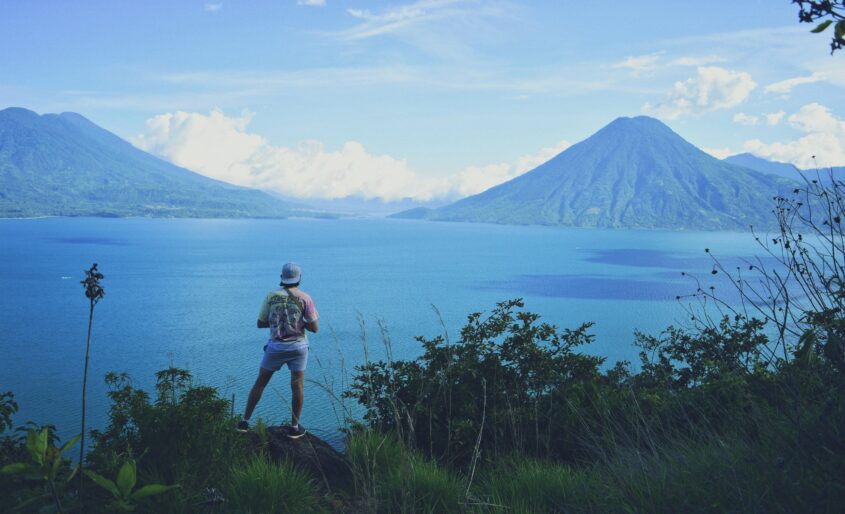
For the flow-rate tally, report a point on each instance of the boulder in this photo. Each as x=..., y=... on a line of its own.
x=310, y=454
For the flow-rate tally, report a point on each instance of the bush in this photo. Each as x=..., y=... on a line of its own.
x=507, y=369
x=184, y=437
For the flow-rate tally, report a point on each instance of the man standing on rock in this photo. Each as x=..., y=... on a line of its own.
x=288, y=313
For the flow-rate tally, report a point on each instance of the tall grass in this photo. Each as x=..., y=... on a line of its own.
x=522, y=485
x=393, y=478
x=260, y=486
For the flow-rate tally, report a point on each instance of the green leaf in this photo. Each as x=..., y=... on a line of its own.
x=25, y=470
x=36, y=444
x=151, y=490
x=821, y=26
x=103, y=482
x=806, y=343
x=122, y=506
x=73, y=473
x=54, y=468
x=65, y=447
x=126, y=477
x=26, y=503
x=16, y=468
x=840, y=30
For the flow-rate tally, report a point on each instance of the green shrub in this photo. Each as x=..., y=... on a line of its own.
x=260, y=486
x=46, y=464
x=507, y=368
x=184, y=437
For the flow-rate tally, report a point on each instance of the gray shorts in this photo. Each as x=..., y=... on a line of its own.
x=296, y=359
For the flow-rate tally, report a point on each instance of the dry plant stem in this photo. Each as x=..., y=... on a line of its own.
x=84, y=395
x=812, y=266
x=56, y=497
x=448, y=385
x=477, y=450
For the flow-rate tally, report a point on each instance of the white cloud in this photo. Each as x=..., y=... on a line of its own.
x=312, y=3
x=785, y=87
x=404, y=18
x=213, y=7
x=745, y=119
x=824, y=139
x=696, y=61
x=221, y=147
x=773, y=118
x=712, y=88
x=639, y=64
x=396, y=17
x=651, y=62
x=719, y=153
x=475, y=179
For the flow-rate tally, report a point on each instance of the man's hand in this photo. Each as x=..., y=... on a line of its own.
x=311, y=327
x=262, y=324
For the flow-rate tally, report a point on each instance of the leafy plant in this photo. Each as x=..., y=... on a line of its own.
x=812, y=11
x=184, y=428
x=507, y=367
x=47, y=463
x=125, y=496
x=8, y=407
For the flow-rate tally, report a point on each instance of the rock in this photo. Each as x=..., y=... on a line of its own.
x=310, y=454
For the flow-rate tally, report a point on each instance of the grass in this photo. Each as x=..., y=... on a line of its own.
x=260, y=486
x=523, y=486
x=395, y=479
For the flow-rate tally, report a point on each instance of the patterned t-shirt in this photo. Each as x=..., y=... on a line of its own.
x=287, y=311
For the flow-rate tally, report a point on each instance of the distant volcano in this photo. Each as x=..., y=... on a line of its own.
x=65, y=165
x=783, y=169
x=633, y=173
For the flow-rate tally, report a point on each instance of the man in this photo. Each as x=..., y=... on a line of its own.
x=288, y=313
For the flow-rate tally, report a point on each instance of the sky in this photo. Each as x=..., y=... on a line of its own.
x=424, y=99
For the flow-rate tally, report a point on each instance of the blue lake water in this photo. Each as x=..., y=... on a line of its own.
x=187, y=293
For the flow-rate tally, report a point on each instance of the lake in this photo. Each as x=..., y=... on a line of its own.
x=187, y=292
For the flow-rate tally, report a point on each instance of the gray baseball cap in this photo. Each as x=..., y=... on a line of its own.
x=291, y=273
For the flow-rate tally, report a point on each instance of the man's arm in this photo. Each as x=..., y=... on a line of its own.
x=311, y=326
x=264, y=313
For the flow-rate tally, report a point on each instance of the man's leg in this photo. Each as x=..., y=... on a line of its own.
x=297, y=380
x=257, y=390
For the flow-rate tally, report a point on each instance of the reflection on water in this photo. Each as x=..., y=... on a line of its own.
x=593, y=287
x=648, y=258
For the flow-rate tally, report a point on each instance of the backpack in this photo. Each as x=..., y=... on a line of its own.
x=286, y=311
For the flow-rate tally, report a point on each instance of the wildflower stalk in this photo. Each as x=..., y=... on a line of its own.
x=94, y=292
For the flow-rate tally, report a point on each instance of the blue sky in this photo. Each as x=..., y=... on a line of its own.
x=427, y=98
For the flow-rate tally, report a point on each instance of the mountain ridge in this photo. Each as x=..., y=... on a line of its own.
x=784, y=169
x=633, y=173
x=66, y=165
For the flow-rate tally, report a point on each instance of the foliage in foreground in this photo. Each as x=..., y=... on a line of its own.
x=46, y=465
x=759, y=383
x=122, y=489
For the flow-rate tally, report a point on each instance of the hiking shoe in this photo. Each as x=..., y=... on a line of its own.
x=243, y=426
x=296, y=433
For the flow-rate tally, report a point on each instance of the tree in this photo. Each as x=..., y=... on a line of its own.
x=829, y=12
